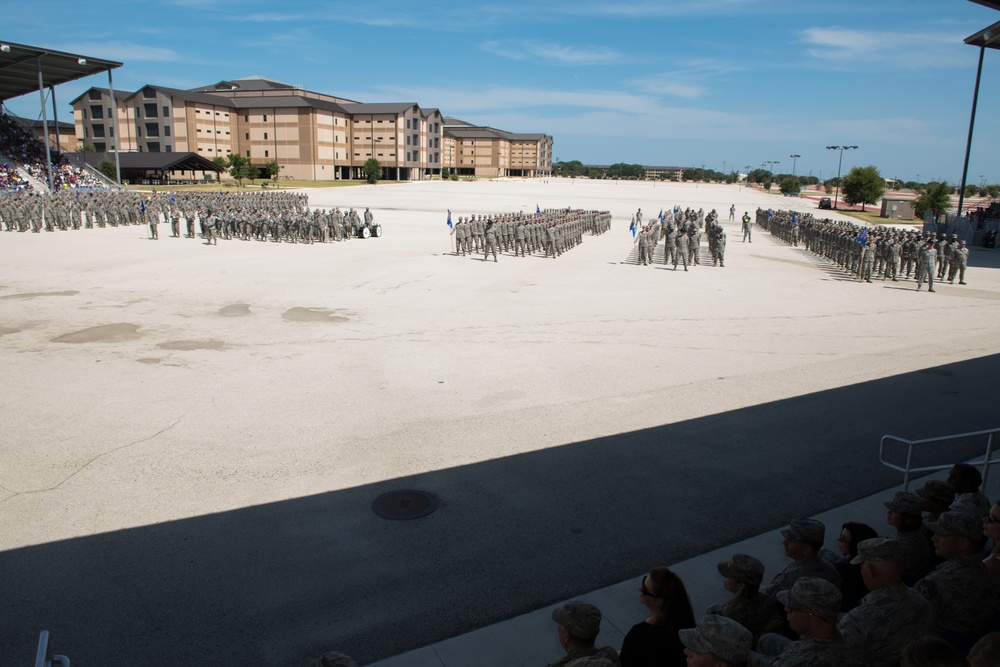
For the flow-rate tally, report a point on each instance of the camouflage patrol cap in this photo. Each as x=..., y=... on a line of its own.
x=804, y=530
x=957, y=523
x=743, y=568
x=906, y=503
x=814, y=595
x=935, y=489
x=582, y=619
x=878, y=549
x=720, y=636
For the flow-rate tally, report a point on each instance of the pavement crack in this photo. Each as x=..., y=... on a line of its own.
x=87, y=463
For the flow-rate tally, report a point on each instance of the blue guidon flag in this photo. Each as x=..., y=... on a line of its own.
x=537, y=210
x=632, y=226
x=449, y=219
x=863, y=237
x=142, y=207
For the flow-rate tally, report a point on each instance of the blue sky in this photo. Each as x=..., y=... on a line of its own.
x=720, y=83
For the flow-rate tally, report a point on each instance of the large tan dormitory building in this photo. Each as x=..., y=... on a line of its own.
x=311, y=135
x=486, y=151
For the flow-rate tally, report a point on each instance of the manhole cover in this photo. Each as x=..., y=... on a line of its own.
x=402, y=505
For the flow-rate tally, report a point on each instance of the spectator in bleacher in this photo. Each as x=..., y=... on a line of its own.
x=852, y=585
x=991, y=529
x=963, y=592
x=937, y=497
x=802, y=540
x=757, y=613
x=579, y=624
x=986, y=652
x=716, y=641
x=967, y=480
x=655, y=642
x=931, y=652
x=334, y=659
x=892, y=614
x=812, y=606
x=904, y=514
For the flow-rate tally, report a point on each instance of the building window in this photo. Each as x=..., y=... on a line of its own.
x=100, y=146
x=97, y=112
x=98, y=130
x=166, y=131
x=138, y=130
x=152, y=130
x=166, y=114
x=137, y=114
x=153, y=146
x=95, y=95
x=265, y=154
x=84, y=114
x=86, y=134
x=248, y=153
x=149, y=92
x=111, y=130
x=407, y=140
x=168, y=149
x=246, y=118
x=247, y=136
x=150, y=110
x=265, y=118
x=265, y=136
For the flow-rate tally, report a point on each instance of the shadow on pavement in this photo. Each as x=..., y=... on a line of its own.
x=277, y=584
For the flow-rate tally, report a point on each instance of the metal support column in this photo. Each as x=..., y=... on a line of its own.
x=114, y=125
x=45, y=125
x=972, y=122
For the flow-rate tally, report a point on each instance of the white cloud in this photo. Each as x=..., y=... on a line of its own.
x=848, y=48
x=124, y=51
x=555, y=53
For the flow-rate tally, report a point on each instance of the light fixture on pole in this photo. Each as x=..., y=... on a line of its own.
x=840, y=163
x=794, y=158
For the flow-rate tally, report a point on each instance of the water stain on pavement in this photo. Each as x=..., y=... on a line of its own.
x=105, y=333
x=299, y=314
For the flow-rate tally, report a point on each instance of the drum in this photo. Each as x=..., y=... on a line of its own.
x=366, y=233
x=377, y=231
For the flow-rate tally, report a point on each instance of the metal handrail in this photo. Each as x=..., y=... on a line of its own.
x=42, y=656
x=908, y=469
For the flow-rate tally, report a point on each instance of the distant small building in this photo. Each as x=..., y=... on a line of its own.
x=897, y=207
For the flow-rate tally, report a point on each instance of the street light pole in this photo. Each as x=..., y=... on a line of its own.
x=840, y=163
x=794, y=158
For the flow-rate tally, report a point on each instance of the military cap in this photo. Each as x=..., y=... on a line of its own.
x=743, y=568
x=957, y=523
x=804, y=530
x=906, y=503
x=814, y=595
x=878, y=549
x=961, y=243
x=581, y=619
x=935, y=489
x=720, y=636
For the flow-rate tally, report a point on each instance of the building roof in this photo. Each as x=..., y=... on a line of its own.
x=37, y=124
x=19, y=67
x=379, y=107
x=187, y=95
x=119, y=94
x=455, y=122
x=248, y=83
x=475, y=133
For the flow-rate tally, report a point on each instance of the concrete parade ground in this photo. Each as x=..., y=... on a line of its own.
x=193, y=436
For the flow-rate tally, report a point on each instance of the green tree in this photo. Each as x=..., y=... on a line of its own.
x=595, y=174
x=970, y=190
x=993, y=190
x=107, y=167
x=239, y=167
x=863, y=185
x=372, y=170
x=790, y=185
x=86, y=148
x=445, y=173
x=935, y=199
x=273, y=169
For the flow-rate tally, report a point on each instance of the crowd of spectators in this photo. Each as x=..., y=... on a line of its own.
x=930, y=596
x=24, y=149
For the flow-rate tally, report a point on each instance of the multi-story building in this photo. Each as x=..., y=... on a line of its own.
x=486, y=151
x=312, y=136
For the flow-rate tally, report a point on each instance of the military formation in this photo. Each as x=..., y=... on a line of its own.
x=266, y=216
x=548, y=233
x=885, y=253
x=681, y=233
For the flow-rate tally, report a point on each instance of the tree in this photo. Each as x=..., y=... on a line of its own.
x=993, y=190
x=86, y=148
x=107, y=167
x=790, y=185
x=239, y=168
x=272, y=169
x=445, y=173
x=936, y=198
x=372, y=170
x=863, y=185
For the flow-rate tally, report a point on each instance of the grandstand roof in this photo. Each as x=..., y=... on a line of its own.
x=19, y=66
x=987, y=37
x=155, y=161
x=992, y=4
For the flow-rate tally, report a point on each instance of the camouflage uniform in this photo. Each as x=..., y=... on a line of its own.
x=964, y=594
x=886, y=620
